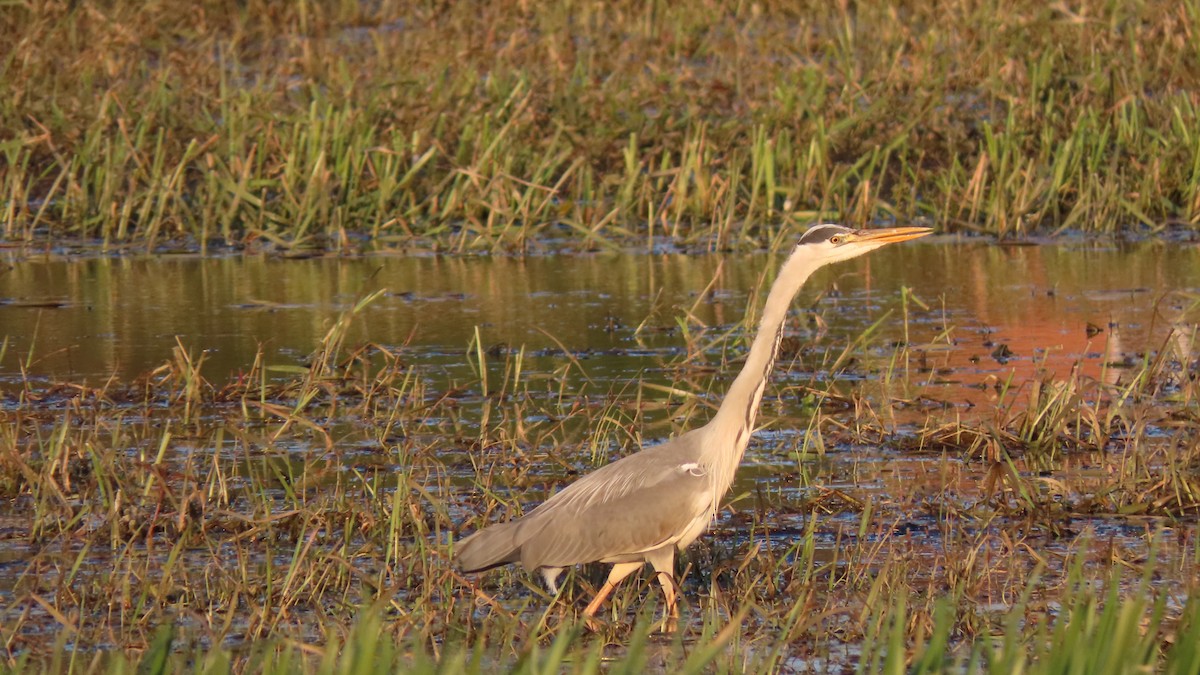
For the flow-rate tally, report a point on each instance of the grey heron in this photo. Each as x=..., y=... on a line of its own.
x=645, y=506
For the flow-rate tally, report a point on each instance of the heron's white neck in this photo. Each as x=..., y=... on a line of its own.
x=729, y=430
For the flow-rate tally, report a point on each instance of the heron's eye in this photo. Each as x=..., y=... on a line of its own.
x=835, y=239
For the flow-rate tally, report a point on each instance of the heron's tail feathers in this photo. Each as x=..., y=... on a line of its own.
x=488, y=548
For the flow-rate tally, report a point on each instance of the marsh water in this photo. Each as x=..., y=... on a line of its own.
x=970, y=319
x=977, y=319
x=976, y=308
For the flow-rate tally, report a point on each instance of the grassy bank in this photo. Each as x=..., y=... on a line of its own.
x=501, y=126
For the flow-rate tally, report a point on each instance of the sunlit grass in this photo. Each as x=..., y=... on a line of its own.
x=348, y=124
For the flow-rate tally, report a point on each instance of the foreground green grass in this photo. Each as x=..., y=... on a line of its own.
x=496, y=126
x=1093, y=632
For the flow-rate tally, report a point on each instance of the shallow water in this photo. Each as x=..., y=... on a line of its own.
x=88, y=319
x=976, y=318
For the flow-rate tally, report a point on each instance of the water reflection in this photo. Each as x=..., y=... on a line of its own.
x=977, y=309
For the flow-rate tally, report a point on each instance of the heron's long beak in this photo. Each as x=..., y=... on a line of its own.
x=889, y=235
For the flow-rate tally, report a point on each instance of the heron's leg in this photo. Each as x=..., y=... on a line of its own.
x=663, y=562
x=668, y=586
x=618, y=572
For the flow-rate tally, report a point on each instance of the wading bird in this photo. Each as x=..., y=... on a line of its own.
x=643, y=507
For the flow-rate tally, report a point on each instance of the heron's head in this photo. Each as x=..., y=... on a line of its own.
x=833, y=243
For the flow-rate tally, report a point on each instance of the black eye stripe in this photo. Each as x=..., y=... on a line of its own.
x=820, y=233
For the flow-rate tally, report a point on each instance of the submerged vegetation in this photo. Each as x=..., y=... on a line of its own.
x=302, y=518
x=497, y=126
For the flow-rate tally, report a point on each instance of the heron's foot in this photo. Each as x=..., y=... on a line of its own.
x=593, y=624
x=669, y=624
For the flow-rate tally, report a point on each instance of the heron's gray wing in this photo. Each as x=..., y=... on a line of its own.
x=489, y=547
x=625, y=508
x=614, y=481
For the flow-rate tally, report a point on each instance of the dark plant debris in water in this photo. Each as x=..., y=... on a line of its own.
x=262, y=509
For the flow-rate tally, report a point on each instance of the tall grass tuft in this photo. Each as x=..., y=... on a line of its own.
x=312, y=126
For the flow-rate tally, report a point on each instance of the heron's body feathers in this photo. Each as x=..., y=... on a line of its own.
x=640, y=503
